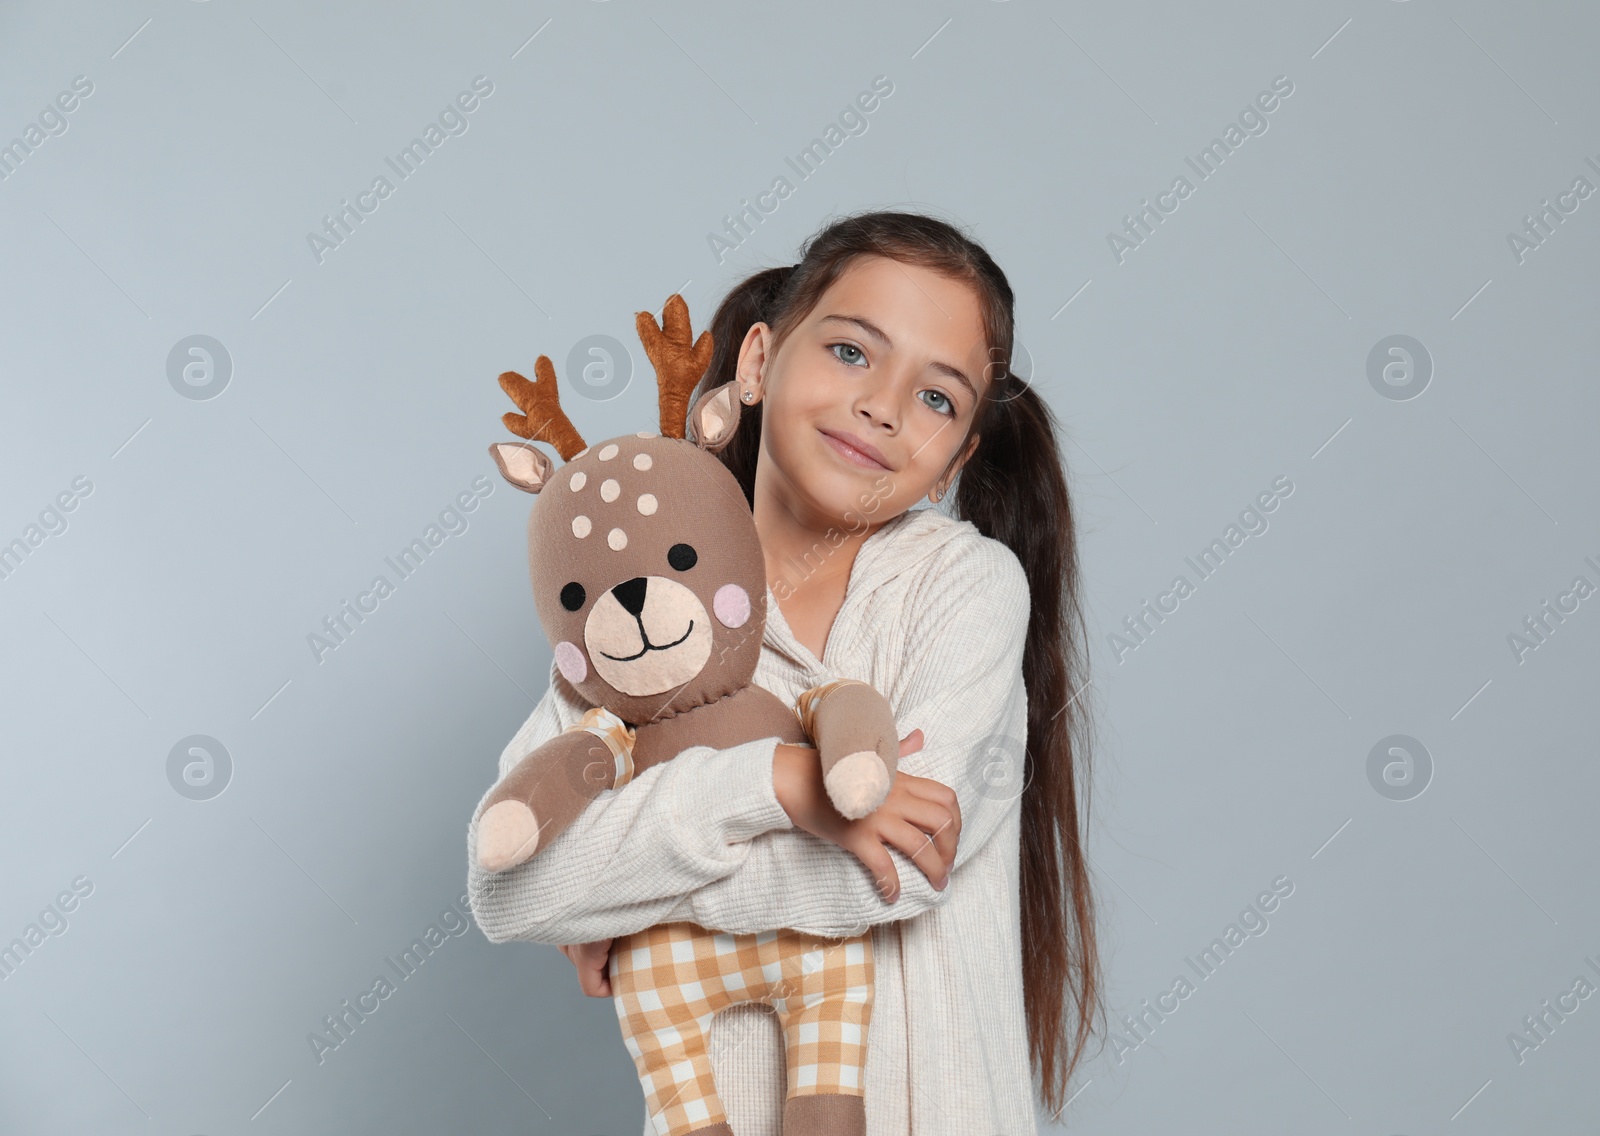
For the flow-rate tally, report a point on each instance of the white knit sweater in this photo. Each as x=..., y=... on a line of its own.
x=935, y=616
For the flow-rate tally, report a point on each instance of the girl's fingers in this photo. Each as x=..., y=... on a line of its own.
x=875, y=857
x=935, y=822
x=583, y=968
x=591, y=961
x=944, y=832
x=911, y=743
x=922, y=851
x=935, y=793
x=596, y=982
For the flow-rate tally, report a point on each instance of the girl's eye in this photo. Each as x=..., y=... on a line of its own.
x=944, y=406
x=834, y=347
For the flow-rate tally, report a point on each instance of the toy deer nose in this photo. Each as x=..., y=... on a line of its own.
x=630, y=594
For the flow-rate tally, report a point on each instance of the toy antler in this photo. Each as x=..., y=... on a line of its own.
x=679, y=360
x=542, y=419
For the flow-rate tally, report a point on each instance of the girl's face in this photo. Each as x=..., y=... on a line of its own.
x=891, y=360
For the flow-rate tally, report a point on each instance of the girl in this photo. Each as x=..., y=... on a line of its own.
x=872, y=373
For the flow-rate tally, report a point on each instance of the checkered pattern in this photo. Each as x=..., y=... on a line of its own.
x=668, y=981
x=618, y=736
x=806, y=704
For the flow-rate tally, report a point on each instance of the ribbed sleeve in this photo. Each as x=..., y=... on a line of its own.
x=633, y=856
x=961, y=683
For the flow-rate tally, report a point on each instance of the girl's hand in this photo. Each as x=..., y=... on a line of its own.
x=921, y=817
x=591, y=959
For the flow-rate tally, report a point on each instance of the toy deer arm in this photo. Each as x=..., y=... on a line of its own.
x=630, y=858
x=545, y=792
x=854, y=730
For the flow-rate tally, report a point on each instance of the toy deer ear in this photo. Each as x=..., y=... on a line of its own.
x=522, y=465
x=714, y=418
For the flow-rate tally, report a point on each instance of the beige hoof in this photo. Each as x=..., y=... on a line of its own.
x=507, y=835
x=857, y=783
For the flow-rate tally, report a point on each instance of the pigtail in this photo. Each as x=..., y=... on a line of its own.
x=1014, y=490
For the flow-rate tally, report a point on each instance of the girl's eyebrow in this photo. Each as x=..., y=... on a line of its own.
x=877, y=333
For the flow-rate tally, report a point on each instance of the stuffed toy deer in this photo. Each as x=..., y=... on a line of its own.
x=649, y=580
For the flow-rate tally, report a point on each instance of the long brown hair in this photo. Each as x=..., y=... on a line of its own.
x=1013, y=489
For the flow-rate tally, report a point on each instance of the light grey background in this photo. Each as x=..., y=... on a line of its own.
x=1229, y=350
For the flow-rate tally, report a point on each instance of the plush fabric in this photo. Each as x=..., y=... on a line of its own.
x=935, y=617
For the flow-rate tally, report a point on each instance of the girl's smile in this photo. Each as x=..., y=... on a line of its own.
x=853, y=449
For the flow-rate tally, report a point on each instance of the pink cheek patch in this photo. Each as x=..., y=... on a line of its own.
x=732, y=605
x=571, y=663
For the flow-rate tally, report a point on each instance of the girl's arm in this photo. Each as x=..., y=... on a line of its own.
x=962, y=684
x=633, y=855
x=703, y=837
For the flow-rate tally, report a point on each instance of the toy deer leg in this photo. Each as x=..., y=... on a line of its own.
x=824, y=1114
x=825, y=1038
x=667, y=985
x=853, y=727
x=545, y=791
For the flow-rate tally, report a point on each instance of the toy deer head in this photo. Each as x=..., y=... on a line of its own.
x=646, y=566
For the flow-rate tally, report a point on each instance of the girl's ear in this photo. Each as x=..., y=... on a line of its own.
x=972, y=447
x=955, y=467
x=522, y=465
x=714, y=418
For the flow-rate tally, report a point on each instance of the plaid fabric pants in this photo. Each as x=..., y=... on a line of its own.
x=668, y=981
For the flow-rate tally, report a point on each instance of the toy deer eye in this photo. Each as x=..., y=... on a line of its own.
x=682, y=557
x=572, y=596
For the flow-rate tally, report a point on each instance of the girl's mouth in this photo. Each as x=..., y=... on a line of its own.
x=850, y=454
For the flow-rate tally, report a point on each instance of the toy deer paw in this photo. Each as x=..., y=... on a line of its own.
x=508, y=834
x=857, y=783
